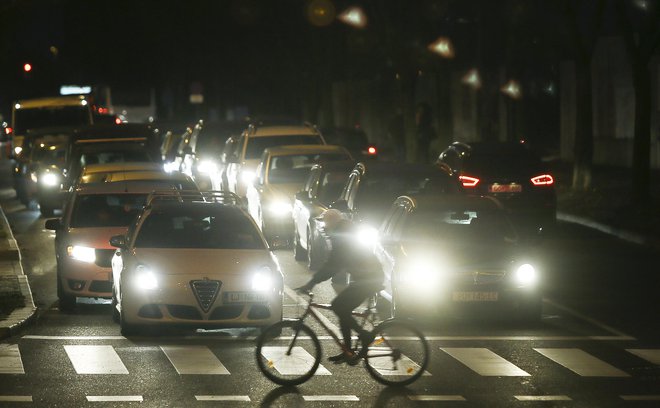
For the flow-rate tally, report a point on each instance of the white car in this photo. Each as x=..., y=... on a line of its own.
x=281, y=173
x=92, y=214
x=242, y=163
x=197, y=261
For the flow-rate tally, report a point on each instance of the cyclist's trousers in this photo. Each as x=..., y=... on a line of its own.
x=346, y=301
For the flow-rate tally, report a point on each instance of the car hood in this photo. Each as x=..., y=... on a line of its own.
x=462, y=254
x=94, y=237
x=204, y=261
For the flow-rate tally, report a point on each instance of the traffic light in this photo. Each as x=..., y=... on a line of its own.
x=27, y=67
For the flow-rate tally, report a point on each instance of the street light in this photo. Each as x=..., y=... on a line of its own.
x=512, y=89
x=472, y=79
x=354, y=17
x=27, y=67
x=443, y=47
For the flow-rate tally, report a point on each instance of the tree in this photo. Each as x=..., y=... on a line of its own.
x=640, y=29
x=584, y=26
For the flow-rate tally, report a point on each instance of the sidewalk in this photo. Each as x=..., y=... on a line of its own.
x=16, y=303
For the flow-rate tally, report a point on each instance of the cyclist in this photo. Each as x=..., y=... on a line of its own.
x=366, y=279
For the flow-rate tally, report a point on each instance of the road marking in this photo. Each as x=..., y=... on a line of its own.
x=299, y=362
x=114, y=398
x=10, y=359
x=581, y=362
x=640, y=397
x=485, y=362
x=222, y=398
x=15, y=398
x=650, y=355
x=436, y=398
x=330, y=398
x=542, y=398
x=95, y=360
x=300, y=300
x=194, y=360
x=404, y=367
x=588, y=319
x=32, y=337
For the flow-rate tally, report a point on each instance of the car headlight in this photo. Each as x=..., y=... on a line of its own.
x=33, y=177
x=367, y=235
x=262, y=280
x=81, y=253
x=207, y=166
x=280, y=207
x=248, y=176
x=49, y=179
x=18, y=150
x=145, y=278
x=526, y=275
x=422, y=273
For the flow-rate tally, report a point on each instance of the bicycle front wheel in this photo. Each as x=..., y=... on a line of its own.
x=288, y=352
x=399, y=353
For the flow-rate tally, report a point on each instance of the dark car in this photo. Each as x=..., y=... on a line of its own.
x=456, y=254
x=513, y=173
x=372, y=187
x=354, y=139
x=323, y=185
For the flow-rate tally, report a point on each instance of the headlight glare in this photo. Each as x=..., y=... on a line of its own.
x=526, y=275
x=49, y=179
x=422, y=273
x=207, y=166
x=81, y=253
x=263, y=280
x=247, y=176
x=145, y=278
x=280, y=207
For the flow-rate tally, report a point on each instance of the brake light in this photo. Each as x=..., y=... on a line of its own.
x=8, y=130
x=118, y=121
x=371, y=150
x=468, y=181
x=543, y=180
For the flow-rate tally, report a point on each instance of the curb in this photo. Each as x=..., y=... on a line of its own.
x=10, y=255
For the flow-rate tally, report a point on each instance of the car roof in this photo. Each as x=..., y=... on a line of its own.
x=119, y=187
x=384, y=167
x=283, y=130
x=146, y=175
x=304, y=149
x=336, y=165
x=52, y=101
x=112, y=131
x=125, y=166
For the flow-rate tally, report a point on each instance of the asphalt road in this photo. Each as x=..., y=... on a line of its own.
x=597, y=345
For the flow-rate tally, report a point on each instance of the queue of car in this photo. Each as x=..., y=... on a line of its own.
x=134, y=214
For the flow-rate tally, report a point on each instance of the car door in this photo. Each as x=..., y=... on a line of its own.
x=302, y=206
x=388, y=251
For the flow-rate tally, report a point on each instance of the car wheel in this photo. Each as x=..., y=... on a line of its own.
x=127, y=329
x=67, y=301
x=312, y=261
x=299, y=252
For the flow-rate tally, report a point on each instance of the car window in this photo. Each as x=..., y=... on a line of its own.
x=256, y=145
x=294, y=168
x=106, y=210
x=203, y=229
x=331, y=185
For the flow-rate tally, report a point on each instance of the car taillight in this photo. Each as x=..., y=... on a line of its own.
x=371, y=150
x=8, y=130
x=468, y=181
x=543, y=180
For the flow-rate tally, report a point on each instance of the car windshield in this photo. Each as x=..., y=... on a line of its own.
x=208, y=227
x=294, y=168
x=34, y=118
x=106, y=210
x=49, y=154
x=330, y=186
x=256, y=145
x=380, y=190
x=459, y=225
x=511, y=160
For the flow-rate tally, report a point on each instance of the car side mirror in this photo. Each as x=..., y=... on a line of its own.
x=53, y=224
x=118, y=241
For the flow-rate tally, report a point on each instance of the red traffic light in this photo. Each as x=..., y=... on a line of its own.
x=27, y=67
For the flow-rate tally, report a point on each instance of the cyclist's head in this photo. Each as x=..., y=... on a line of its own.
x=331, y=219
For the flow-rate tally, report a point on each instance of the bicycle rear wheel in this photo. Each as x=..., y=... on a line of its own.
x=399, y=353
x=288, y=352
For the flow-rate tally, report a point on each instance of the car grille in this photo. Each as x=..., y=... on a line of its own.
x=104, y=257
x=480, y=277
x=205, y=291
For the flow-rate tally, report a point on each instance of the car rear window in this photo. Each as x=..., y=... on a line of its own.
x=106, y=210
x=204, y=228
x=256, y=145
x=294, y=168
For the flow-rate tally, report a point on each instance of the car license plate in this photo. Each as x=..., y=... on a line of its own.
x=474, y=296
x=505, y=188
x=245, y=297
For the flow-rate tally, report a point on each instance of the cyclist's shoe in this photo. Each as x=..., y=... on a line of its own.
x=344, y=358
x=366, y=339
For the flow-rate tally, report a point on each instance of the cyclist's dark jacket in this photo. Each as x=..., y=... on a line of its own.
x=349, y=256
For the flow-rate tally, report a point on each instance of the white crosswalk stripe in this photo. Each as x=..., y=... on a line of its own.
x=10, y=359
x=650, y=355
x=194, y=360
x=95, y=359
x=299, y=362
x=485, y=362
x=581, y=362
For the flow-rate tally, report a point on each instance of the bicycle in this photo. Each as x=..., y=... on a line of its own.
x=398, y=355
